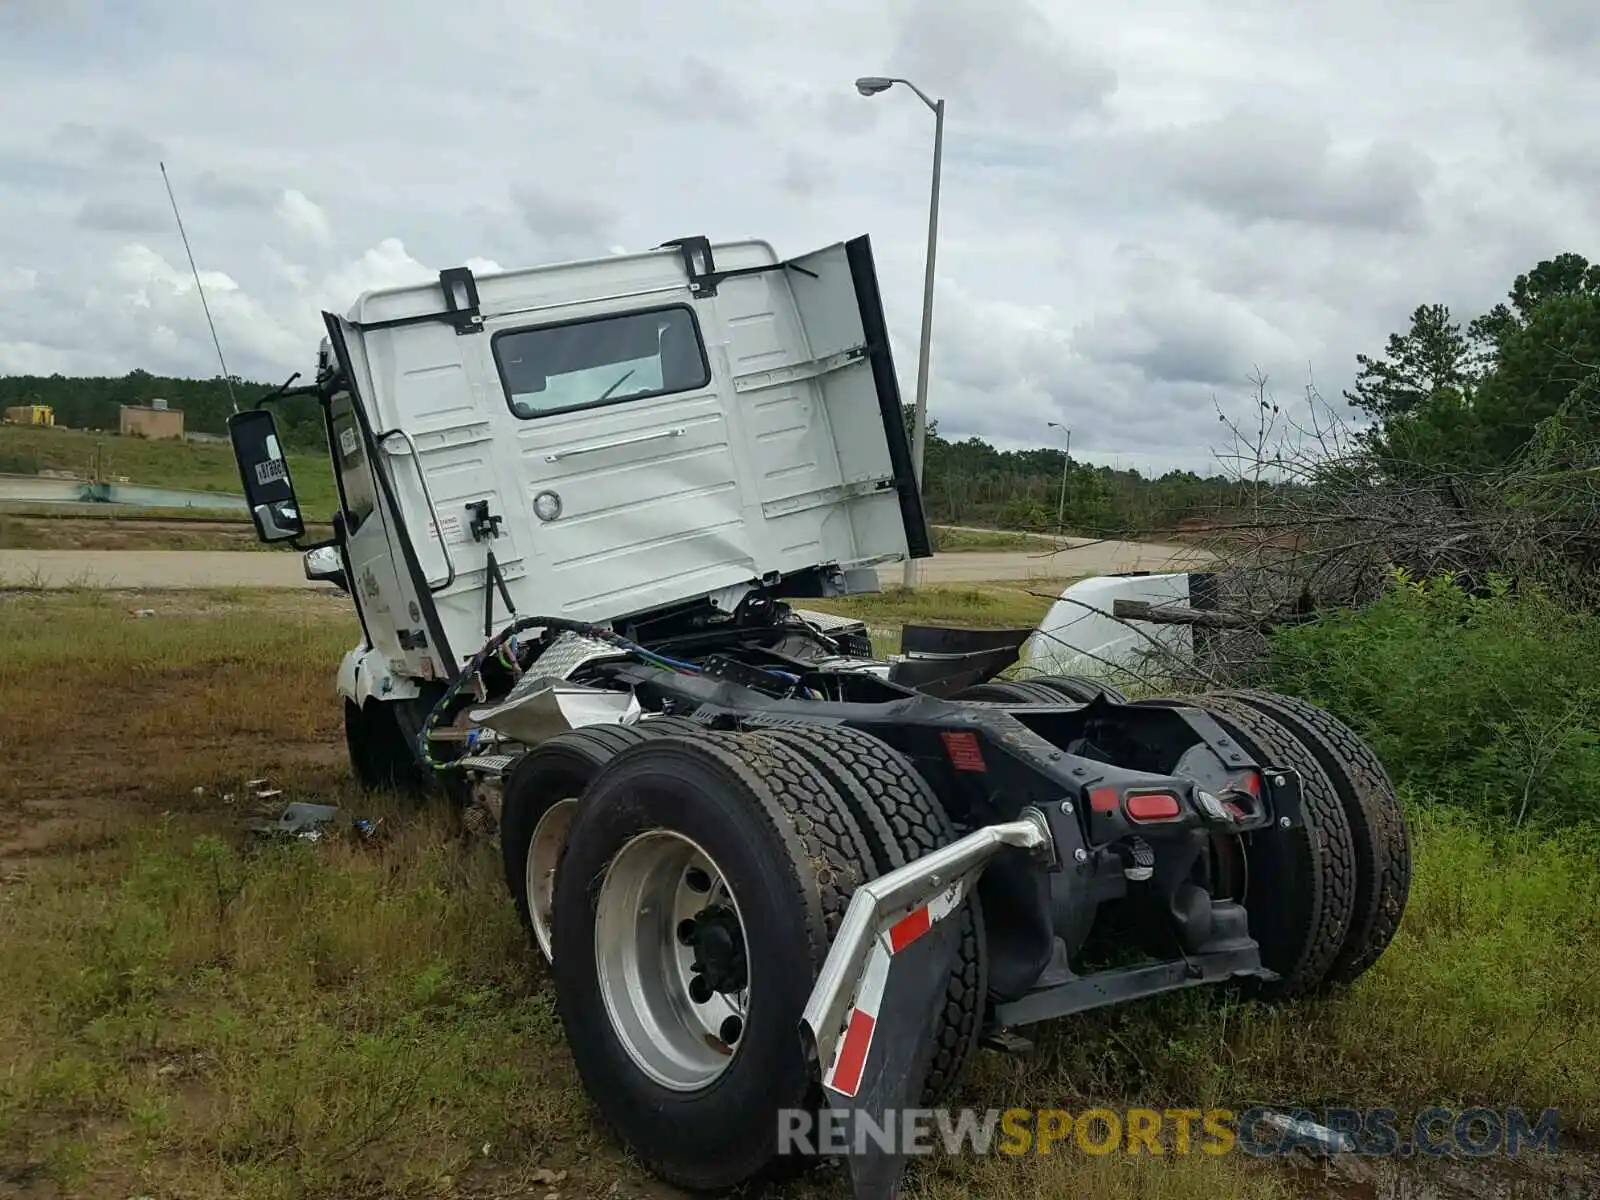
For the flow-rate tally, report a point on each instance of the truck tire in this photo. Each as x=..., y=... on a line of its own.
x=733, y=852
x=539, y=800
x=1302, y=881
x=1078, y=687
x=902, y=820
x=382, y=758
x=1377, y=824
x=1010, y=691
x=671, y=723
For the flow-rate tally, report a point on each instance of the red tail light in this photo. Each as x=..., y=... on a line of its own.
x=1152, y=806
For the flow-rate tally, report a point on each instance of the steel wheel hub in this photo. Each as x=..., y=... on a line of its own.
x=670, y=953
x=539, y=877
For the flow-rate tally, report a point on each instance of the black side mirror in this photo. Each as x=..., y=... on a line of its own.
x=264, y=472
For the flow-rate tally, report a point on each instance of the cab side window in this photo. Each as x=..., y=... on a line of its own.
x=350, y=459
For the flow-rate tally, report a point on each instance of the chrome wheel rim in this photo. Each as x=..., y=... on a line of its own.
x=539, y=875
x=670, y=951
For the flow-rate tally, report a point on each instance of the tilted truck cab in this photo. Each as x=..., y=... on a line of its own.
x=610, y=438
x=582, y=508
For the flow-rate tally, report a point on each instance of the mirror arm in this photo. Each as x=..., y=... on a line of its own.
x=285, y=392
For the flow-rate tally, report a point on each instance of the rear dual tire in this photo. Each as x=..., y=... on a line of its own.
x=1380, y=839
x=539, y=802
x=901, y=820
x=1042, y=689
x=791, y=856
x=1325, y=897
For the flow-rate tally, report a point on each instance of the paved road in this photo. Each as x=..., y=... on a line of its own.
x=161, y=569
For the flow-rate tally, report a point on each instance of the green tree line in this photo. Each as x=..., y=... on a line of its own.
x=1470, y=396
x=970, y=482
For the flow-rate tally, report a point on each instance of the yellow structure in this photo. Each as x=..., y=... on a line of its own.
x=156, y=422
x=31, y=414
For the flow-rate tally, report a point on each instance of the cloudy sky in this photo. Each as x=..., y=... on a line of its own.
x=1143, y=201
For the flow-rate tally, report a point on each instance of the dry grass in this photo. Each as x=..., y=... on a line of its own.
x=128, y=531
x=980, y=605
x=948, y=539
x=188, y=1012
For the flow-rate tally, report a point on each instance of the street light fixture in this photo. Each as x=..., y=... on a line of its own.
x=1066, y=464
x=871, y=85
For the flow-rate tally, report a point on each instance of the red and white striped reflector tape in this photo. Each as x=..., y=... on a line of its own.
x=850, y=1056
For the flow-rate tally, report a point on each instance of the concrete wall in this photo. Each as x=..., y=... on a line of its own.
x=153, y=423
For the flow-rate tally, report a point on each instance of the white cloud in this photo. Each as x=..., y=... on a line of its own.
x=18, y=279
x=386, y=265
x=26, y=358
x=302, y=217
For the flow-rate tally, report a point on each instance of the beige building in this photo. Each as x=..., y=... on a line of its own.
x=31, y=414
x=155, y=422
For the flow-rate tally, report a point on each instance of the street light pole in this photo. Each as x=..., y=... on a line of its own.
x=870, y=86
x=1066, y=464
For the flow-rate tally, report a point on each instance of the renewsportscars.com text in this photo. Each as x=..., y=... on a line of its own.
x=1259, y=1132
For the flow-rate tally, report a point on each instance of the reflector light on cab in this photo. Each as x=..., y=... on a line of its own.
x=1152, y=806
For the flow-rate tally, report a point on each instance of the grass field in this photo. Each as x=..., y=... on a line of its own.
x=190, y=1013
x=201, y=466
x=980, y=605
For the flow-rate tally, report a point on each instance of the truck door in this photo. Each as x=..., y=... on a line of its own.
x=386, y=580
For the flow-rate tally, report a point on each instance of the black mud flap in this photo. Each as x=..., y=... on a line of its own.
x=868, y=1025
x=881, y=1062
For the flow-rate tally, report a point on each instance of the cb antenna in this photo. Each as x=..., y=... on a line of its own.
x=226, y=378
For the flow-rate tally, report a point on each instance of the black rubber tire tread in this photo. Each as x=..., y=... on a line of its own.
x=381, y=758
x=903, y=819
x=672, y=723
x=1010, y=691
x=1300, y=935
x=749, y=798
x=578, y=754
x=1078, y=687
x=796, y=780
x=1377, y=823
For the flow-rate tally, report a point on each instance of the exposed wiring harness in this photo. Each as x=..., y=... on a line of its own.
x=503, y=648
x=496, y=647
